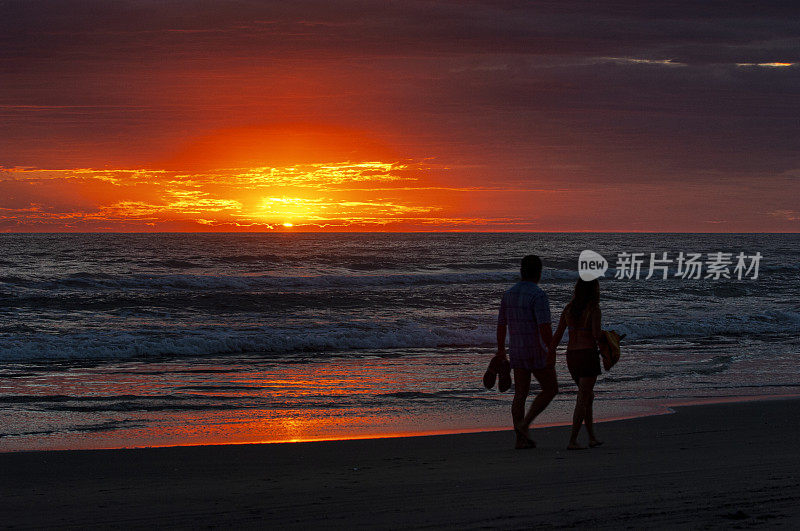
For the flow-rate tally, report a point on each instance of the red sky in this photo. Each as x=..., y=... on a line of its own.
x=185, y=116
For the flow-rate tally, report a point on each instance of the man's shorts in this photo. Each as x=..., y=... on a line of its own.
x=528, y=363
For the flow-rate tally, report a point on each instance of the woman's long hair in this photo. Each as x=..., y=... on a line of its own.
x=586, y=295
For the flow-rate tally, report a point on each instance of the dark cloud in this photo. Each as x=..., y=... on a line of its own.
x=563, y=90
x=99, y=31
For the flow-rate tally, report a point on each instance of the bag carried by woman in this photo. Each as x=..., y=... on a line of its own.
x=609, y=348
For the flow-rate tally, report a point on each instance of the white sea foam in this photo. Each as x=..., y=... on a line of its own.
x=359, y=336
x=766, y=322
x=356, y=336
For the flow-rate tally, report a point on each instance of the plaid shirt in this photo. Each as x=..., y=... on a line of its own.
x=524, y=307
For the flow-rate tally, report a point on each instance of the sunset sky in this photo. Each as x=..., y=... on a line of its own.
x=399, y=116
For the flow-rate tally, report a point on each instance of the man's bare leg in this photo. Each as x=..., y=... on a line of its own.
x=522, y=386
x=549, y=389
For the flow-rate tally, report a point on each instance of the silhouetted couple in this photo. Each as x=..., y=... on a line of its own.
x=525, y=313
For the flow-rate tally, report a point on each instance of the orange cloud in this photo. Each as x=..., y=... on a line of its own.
x=300, y=196
x=282, y=145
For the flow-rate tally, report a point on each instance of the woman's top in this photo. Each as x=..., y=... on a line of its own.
x=583, y=332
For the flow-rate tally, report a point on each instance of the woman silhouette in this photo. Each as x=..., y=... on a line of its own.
x=582, y=317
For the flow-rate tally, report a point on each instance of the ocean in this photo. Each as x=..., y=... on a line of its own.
x=117, y=340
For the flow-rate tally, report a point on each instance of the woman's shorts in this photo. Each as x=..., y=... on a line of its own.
x=583, y=363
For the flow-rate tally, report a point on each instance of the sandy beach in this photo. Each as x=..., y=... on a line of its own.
x=704, y=466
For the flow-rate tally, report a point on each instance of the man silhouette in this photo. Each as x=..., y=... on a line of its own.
x=525, y=312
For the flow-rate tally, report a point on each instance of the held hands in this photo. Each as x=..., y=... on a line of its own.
x=551, y=357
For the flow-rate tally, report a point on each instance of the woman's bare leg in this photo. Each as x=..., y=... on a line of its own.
x=577, y=419
x=588, y=418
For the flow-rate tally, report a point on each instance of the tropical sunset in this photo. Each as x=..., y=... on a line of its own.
x=364, y=264
x=422, y=116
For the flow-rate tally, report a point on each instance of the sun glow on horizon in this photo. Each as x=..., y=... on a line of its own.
x=311, y=195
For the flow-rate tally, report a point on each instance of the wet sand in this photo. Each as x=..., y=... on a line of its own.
x=706, y=466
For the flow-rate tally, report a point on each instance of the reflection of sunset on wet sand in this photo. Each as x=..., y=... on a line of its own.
x=173, y=403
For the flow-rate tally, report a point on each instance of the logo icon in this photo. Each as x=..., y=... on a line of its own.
x=591, y=265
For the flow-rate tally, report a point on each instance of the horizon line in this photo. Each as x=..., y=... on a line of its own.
x=402, y=232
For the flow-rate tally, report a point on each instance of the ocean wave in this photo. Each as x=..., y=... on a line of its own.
x=266, y=340
x=448, y=394
x=102, y=281
x=715, y=365
x=765, y=322
x=108, y=425
x=174, y=264
x=250, y=258
x=362, y=337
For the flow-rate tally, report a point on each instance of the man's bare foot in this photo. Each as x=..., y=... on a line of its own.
x=594, y=443
x=575, y=446
x=524, y=445
x=523, y=440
